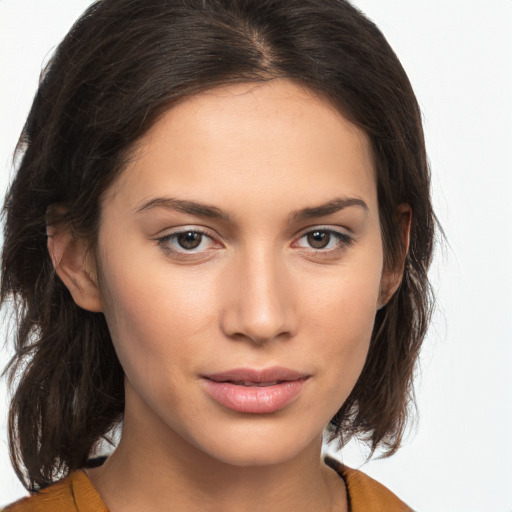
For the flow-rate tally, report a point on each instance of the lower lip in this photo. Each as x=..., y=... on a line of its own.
x=254, y=399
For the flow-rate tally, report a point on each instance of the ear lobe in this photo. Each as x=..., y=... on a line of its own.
x=75, y=266
x=392, y=277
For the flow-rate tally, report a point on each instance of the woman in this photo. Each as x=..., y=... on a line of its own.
x=218, y=234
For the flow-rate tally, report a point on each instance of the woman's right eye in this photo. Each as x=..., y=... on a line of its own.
x=188, y=241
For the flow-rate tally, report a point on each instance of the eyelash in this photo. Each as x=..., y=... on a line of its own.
x=165, y=242
x=343, y=241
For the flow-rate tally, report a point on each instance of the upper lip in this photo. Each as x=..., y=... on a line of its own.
x=274, y=374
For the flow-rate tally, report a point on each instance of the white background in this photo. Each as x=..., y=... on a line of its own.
x=458, y=54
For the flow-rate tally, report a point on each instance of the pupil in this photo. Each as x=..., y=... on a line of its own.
x=318, y=239
x=189, y=240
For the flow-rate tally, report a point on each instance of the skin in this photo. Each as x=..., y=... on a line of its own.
x=254, y=293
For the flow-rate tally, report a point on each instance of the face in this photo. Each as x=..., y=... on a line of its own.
x=240, y=264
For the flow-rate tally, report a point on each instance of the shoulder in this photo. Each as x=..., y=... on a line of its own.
x=72, y=494
x=366, y=494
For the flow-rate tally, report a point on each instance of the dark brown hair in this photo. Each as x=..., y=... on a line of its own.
x=122, y=65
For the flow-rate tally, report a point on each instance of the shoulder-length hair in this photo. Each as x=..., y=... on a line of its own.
x=123, y=64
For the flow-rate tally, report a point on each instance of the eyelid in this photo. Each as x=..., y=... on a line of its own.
x=183, y=228
x=164, y=240
x=345, y=239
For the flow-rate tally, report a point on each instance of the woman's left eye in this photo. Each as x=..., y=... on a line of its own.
x=323, y=240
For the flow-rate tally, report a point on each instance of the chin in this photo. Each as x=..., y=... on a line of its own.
x=252, y=447
x=269, y=455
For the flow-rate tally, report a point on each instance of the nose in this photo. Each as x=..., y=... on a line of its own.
x=259, y=303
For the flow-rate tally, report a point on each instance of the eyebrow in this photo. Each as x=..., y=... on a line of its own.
x=205, y=210
x=185, y=206
x=333, y=206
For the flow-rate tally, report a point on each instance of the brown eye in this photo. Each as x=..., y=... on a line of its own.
x=318, y=239
x=189, y=239
x=324, y=241
x=187, y=243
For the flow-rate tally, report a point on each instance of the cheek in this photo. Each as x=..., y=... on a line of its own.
x=155, y=315
x=139, y=308
x=342, y=318
x=346, y=301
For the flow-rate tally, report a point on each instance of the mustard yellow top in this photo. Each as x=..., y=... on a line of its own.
x=77, y=494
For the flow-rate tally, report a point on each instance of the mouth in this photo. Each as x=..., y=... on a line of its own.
x=249, y=384
x=253, y=391
x=252, y=377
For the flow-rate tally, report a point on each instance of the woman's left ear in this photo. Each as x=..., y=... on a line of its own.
x=392, y=277
x=75, y=265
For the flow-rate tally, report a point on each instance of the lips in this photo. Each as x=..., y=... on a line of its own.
x=251, y=391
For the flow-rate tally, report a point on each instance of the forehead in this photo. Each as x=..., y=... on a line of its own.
x=252, y=139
